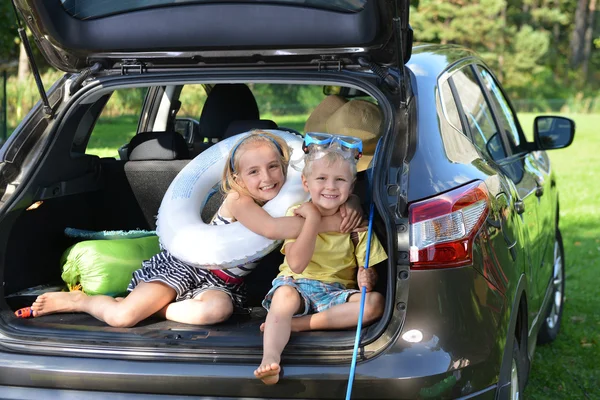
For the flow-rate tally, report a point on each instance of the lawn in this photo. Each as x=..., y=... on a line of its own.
x=567, y=369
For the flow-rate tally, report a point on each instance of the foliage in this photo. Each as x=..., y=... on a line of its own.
x=8, y=32
x=21, y=97
x=527, y=42
x=286, y=99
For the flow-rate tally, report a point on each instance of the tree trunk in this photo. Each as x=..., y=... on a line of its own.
x=588, y=38
x=502, y=44
x=23, y=72
x=577, y=40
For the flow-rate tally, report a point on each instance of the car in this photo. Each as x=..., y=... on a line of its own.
x=466, y=206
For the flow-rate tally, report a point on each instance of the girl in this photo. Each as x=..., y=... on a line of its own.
x=254, y=174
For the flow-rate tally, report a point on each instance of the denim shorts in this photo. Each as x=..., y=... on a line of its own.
x=318, y=296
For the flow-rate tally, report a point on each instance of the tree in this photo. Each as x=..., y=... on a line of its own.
x=8, y=32
x=578, y=38
x=588, y=38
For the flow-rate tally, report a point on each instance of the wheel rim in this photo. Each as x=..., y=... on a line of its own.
x=514, y=381
x=557, y=280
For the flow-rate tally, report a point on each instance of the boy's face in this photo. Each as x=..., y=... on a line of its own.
x=329, y=184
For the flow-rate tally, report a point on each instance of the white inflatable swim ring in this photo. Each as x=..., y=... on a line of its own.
x=183, y=233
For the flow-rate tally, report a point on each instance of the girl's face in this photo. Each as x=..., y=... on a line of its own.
x=329, y=184
x=259, y=171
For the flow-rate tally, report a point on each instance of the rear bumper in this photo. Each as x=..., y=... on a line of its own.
x=29, y=376
x=20, y=393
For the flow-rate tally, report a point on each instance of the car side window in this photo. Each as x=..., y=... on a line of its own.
x=192, y=100
x=478, y=114
x=503, y=110
x=449, y=106
x=117, y=123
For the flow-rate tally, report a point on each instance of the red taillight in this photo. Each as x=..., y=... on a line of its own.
x=443, y=228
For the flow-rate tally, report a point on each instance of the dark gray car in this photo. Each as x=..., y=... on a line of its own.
x=466, y=206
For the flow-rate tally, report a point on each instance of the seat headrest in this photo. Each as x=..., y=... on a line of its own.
x=157, y=146
x=247, y=125
x=226, y=102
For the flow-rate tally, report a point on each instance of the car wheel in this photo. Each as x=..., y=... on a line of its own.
x=551, y=323
x=517, y=381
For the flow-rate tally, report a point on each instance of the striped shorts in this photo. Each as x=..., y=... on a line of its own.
x=187, y=281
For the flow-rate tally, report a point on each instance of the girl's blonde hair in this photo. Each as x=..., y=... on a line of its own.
x=278, y=144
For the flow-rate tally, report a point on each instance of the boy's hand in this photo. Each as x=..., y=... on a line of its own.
x=308, y=211
x=352, y=214
x=366, y=277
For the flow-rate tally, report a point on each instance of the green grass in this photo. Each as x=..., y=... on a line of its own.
x=568, y=368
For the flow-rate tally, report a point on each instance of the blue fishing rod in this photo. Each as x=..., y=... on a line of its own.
x=363, y=295
x=363, y=290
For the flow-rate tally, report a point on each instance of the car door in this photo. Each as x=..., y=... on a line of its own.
x=490, y=137
x=535, y=187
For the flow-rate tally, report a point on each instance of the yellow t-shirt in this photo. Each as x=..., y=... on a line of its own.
x=335, y=257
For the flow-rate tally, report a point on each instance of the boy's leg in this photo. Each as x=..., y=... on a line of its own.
x=146, y=299
x=342, y=316
x=209, y=307
x=285, y=304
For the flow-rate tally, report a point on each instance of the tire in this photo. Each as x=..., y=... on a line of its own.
x=551, y=324
x=517, y=380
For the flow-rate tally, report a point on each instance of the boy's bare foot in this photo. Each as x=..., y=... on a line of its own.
x=296, y=326
x=56, y=302
x=268, y=373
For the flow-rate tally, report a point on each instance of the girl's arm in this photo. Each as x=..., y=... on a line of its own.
x=299, y=253
x=255, y=218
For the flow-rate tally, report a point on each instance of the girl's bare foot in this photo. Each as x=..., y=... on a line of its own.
x=268, y=372
x=56, y=302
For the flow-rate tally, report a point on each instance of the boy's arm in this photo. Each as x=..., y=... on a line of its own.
x=299, y=253
x=366, y=277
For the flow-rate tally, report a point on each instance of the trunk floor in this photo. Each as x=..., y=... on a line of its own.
x=247, y=322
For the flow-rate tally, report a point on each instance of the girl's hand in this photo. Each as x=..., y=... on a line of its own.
x=308, y=211
x=366, y=277
x=352, y=215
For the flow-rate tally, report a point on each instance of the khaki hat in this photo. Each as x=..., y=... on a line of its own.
x=317, y=119
x=361, y=119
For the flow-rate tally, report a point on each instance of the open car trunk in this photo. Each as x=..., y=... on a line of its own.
x=37, y=269
x=72, y=189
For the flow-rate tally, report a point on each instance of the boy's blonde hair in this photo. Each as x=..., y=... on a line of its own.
x=330, y=156
x=278, y=144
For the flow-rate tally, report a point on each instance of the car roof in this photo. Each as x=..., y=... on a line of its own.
x=433, y=59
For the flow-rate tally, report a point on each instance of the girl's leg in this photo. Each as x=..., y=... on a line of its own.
x=285, y=303
x=146, y=299
x=342, y=316
x=209, y=307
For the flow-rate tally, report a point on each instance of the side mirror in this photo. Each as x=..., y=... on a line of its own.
x=551, y=132
x=188, y=128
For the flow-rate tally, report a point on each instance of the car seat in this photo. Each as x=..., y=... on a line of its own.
x=154, y=160
x=226, y=102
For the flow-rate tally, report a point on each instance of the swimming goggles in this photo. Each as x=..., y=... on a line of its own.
x=350, y=147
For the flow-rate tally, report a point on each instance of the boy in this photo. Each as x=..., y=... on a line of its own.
x=317, y=280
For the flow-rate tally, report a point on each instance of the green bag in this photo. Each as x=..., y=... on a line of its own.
x=105, y=266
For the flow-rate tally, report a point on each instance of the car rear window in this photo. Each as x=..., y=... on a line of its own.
x=94, y=8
